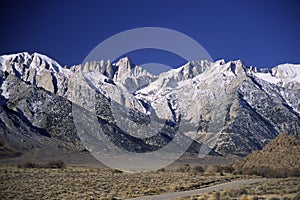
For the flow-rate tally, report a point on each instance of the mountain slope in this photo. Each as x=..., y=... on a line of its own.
x=230, y=100
x=281, y=153
x=234, y=108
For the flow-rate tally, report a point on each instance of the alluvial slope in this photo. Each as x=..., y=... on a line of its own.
x=242, y=108
x=281, y=153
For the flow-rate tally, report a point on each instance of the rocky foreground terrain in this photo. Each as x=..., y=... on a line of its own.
x=228, y=107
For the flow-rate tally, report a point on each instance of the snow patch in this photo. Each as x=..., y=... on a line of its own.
x=4, y=88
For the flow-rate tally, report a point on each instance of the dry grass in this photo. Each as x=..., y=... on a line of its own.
x=51, y=164
x=276, y=189
x=95, y=183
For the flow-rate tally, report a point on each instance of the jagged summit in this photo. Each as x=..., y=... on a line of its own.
x=124, y=64
x=284, y=73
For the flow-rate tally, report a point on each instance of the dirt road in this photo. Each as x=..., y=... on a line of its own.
x=222, y=186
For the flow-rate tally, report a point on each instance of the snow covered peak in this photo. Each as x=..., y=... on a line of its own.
x=16, y=57
x=187, y=71
x=232, y=67
x=287, y=71
x=40, y=60
x=34, y=60
x=13, y=58
x=281, y=74
x=33, y=67
x=36, y=69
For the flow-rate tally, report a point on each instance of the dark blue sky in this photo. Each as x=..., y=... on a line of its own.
x=261, y=33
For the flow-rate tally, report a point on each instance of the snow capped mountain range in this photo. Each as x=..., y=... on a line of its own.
x=245, y=106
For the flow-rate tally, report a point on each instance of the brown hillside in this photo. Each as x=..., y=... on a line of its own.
x=281, y=153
